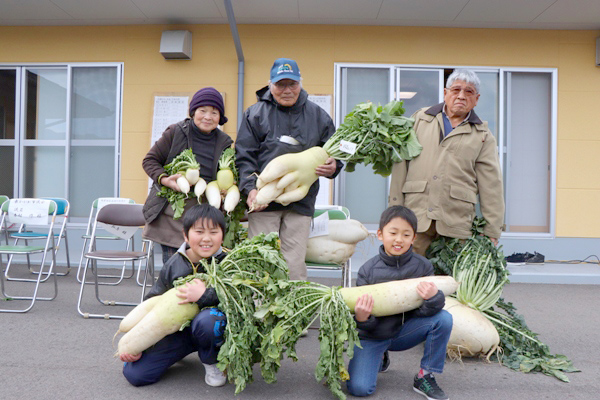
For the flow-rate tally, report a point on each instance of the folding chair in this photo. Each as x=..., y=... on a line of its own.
x=33, y=213
x=123, y=217
x=335, y=212
x=96, y=206
x=62, y=215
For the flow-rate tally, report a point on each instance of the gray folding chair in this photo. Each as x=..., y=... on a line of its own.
x=26, y=212
x=107, y=279
x=60, y=233
x=117, y=215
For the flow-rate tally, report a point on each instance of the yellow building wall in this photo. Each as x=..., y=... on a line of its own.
x=317, y=48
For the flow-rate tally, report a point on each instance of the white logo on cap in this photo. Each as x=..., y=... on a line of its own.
x=285, y=68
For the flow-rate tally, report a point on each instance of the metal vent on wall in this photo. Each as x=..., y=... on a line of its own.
x=176, y=45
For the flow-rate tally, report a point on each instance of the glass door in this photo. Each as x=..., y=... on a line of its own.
x=45, y=125
x=363, y=192
x=529, y=161
x=8, y=130
x=419, y=88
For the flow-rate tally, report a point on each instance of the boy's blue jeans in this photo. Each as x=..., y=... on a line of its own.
x=204, y=335
x=365, y=365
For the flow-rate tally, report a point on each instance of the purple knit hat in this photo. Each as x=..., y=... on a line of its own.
x=208, y=96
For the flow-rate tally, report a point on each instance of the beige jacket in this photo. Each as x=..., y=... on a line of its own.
x=443, y=182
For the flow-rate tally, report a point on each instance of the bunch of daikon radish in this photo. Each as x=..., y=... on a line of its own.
x=371, y=135
x=222, y=191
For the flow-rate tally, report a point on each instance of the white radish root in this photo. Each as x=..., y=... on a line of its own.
x=472, y=334
x=400, y=296
x=165, y=318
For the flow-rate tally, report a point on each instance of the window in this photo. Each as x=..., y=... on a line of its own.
x=520, y=107
x=59, y=131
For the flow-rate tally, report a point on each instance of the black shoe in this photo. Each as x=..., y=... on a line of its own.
x=535, y=258
x=518, y=258
x=385, y=365
x=428, y=387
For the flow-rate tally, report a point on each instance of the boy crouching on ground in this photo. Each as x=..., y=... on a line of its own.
x=428, y=323
x=203, y=229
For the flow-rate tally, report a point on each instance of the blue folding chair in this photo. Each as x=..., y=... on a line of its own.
x=60, y=233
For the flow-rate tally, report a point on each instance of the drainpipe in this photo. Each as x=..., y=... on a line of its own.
x=240, y=56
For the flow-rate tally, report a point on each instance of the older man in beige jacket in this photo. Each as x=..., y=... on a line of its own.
x=459, y=161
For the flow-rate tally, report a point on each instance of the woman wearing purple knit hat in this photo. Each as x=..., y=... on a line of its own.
x=199, y=132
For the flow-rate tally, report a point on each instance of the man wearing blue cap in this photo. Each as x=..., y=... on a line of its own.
x=283, y=121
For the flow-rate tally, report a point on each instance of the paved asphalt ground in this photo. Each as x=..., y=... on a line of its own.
x=52, y=352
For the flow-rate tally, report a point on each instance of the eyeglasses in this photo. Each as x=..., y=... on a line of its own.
x=455, y=91
x=284, y=85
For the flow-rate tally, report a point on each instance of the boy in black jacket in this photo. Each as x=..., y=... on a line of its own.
x=203, y=228
x=428, y=323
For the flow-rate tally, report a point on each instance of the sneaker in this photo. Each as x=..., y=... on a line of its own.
x=535, y=258
x=518, y=258
x=428, y=387
x=385, y=365
x=214, y=376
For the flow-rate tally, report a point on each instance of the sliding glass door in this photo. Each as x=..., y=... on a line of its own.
x=59, y=132
x=519, y=105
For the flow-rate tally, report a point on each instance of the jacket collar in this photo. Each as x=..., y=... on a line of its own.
x=264, y=94
x=184, y=246
x=395, y=261
x=435, y=110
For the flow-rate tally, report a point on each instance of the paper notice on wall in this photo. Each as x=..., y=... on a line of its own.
x=167, y=111
x=322, y=100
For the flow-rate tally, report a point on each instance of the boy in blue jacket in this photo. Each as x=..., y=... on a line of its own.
x=203, y=227
x=429, y=323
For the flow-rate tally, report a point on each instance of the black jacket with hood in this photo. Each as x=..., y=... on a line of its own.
x=384, y=268
x=259, y=140
x=178, y=266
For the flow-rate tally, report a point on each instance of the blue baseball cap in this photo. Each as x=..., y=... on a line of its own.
x=285, y=68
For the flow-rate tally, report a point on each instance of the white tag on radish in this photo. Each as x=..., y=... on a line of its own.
x=28, y=211
x=124, y=232
x=320, y=226
x=347, y=147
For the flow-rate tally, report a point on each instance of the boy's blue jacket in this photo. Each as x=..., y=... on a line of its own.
x=384, y=268
x=179, y=265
